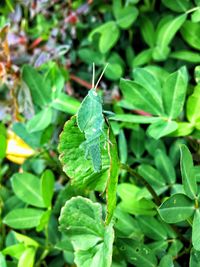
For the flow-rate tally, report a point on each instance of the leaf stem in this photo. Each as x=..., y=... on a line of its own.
x=145, y=183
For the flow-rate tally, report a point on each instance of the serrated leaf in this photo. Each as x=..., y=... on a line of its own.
x=27, y=188
x=176, y=208
x=187, y=171
x=75, y=165
x=82, y=220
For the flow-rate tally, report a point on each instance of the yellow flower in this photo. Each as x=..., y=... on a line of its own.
x=17, y=150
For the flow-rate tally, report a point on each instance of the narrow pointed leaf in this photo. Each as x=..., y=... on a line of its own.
x=187, y=171
x=174, y=92
x=81, y=220
x=196, y=230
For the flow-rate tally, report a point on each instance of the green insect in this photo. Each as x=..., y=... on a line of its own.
x=90, y=121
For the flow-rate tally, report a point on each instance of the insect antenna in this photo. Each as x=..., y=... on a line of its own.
x=93, y=74
x=100, y=77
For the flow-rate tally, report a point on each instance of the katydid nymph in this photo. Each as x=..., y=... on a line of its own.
x=90, y=121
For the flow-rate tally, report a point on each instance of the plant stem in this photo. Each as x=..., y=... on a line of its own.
x=145, y=183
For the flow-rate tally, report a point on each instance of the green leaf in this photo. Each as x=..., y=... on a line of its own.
x=196, y=16
x=174, y=92
x=75, y=165
x=177, y=5
x=25, y=218
x=40, y=91
x=137, y=142
x=122, y=146
x=196, y=230
x=192, y=106
x=183, y=129
x=14, y=251
x=47, y=187
x=176, y=208
x=190, y=32
x=2, y=260
x=194, y=258
x=111, y=190
x=151, y=175
x=165, y=166
x=126, y=225
x=3, y=146
x=150, y=83
x=136, y=253
x=90, y=56
x=115, y=68
x=187, y=171
x=125, y=16
x=65, y=103
x=109, y=34
x=161, y=128
x=166, y=261
x=186, y=55
x=27, y=258
x=81, y=220
x=40, y=121
x=168, y=30
x=148, y=32
x=27, y=188
x=140, y=97
x=151, y=227
x=134, y=118
x=134, y=203
x=142, y=58
x=26, y=240
x=197, y=74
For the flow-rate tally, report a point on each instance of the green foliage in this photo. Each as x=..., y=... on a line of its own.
x=104, y=175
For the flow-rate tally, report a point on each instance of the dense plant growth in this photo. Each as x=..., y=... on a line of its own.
x=105, y=177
